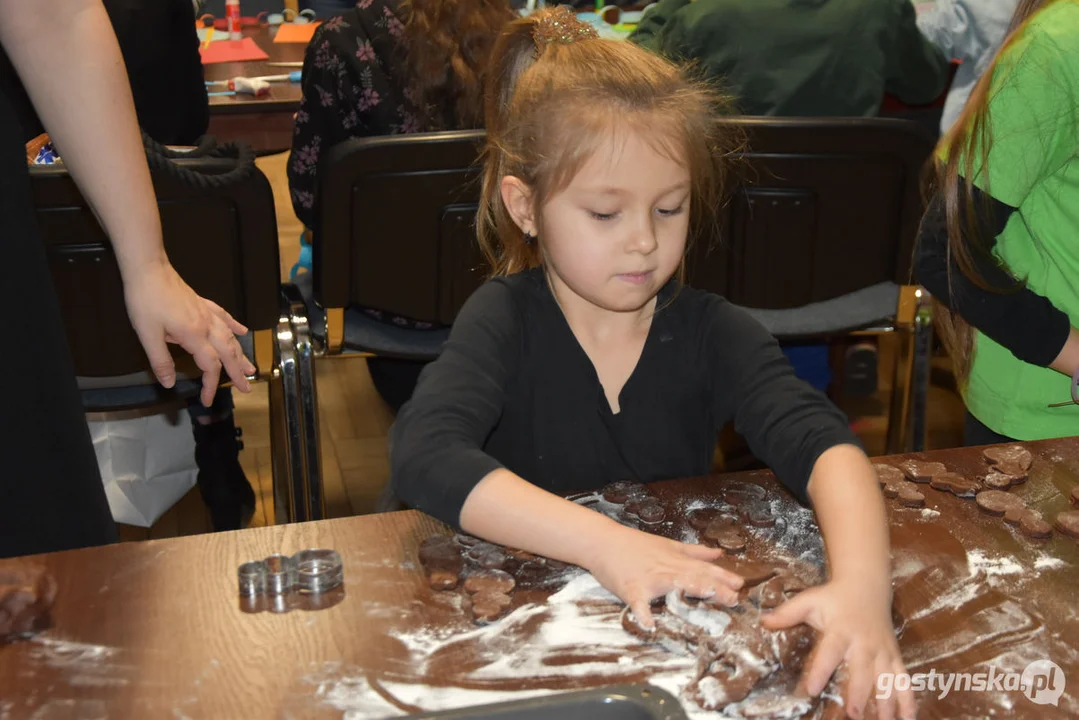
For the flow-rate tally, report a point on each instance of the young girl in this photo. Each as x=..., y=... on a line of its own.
x=998, y=244
x=585, y=361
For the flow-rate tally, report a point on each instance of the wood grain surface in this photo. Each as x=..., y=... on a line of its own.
x=156, y=629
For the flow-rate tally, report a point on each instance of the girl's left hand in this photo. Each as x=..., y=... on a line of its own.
x=855, y=627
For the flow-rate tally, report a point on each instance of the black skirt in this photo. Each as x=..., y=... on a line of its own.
x=51, y=496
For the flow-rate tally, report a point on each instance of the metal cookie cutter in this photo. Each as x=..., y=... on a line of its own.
x=280, y=574
x=318, y=570
x=252, y=577
x=310, y=571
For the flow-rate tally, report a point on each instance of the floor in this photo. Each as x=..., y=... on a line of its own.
x=354, y=419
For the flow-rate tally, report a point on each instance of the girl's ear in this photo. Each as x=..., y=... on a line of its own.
x=517, y=196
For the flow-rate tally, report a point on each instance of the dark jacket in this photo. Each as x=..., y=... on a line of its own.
x=801, y=57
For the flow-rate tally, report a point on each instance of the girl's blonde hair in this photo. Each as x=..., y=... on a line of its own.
x=556, y=93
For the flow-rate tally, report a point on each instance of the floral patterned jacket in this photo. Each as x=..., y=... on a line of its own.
x=353, y=86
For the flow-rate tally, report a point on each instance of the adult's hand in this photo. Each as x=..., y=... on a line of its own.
x=164, y=309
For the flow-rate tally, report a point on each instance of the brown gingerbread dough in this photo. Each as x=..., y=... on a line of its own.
x=1074, y=497
x=27, y=594
x=922, y=471
x=758, y=515
x=1068, y=523
x=490, y=581
x=1009, y=455
x=489, y=606
x=652, y=513
x=905, y=491
x=442, y=580
x=700, y=518
x=753, y=573
x=441, y=553
x=888, y=474
x=1030, y=522
x=620, y=492
x=723, y=532
x=740, y=493
x=1033, y=525
x=998, y=502
x=997, y=480
x=488, y=556
x=955, y=484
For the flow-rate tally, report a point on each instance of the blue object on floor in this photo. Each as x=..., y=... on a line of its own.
x=810, y=364
x=304, y=261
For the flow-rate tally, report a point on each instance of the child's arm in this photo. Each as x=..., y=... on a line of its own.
x=852, y=611
x=439, y=466
x=634, y=565
x=86, y=106
x=1019, y=319
x=812, y=450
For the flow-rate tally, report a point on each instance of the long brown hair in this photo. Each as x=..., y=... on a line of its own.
x=552, y=101
x=448, y=43
x=970, y=138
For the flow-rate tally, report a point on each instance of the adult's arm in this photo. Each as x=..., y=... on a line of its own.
x=67, y=57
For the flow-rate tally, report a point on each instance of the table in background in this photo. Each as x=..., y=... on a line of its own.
x=154, y=629
x=262, y=122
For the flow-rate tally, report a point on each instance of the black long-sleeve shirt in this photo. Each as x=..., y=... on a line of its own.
x=160, y=48
x=514, y=389
x=1024, y=322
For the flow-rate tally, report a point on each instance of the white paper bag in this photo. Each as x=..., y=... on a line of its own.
x=147, y=461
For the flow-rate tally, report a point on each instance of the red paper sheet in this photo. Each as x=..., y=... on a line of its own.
x=295, y=33
x=232, y=51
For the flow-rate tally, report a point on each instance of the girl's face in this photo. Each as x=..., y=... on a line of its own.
x=617, y=233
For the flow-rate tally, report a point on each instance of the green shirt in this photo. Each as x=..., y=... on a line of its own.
x=1033, y=166
x=801, y=57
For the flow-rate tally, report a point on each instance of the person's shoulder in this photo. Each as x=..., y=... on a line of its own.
x=506, y=295
x=1046, y=45
x=342, y=28
x=709, y=314
x=1058, y=24
x=698, y=307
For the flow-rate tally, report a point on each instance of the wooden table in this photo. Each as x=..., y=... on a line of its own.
x=263, y=122
x=155, y=629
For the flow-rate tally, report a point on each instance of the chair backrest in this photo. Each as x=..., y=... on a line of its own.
x=222, y=241
x=827, y=206
x=396, y=224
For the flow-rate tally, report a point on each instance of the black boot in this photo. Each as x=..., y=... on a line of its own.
x=222, y=483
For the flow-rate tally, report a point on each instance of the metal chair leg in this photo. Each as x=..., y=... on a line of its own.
x=899, y=406
x=308, y=402
x=922, y=353
x=290, y=496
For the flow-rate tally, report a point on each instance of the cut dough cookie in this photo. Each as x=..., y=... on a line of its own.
x=922, y=471
x=956, y=485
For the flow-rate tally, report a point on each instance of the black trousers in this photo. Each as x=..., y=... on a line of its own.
x=51, y=496
x=975, y=433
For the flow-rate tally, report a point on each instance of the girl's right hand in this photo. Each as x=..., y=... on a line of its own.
x=639, y=567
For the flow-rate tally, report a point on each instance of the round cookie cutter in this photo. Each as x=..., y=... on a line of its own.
x=280, y=574
x=318, y=570
x=252, y=577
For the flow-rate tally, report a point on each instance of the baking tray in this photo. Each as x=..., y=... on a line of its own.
x=624, y=702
